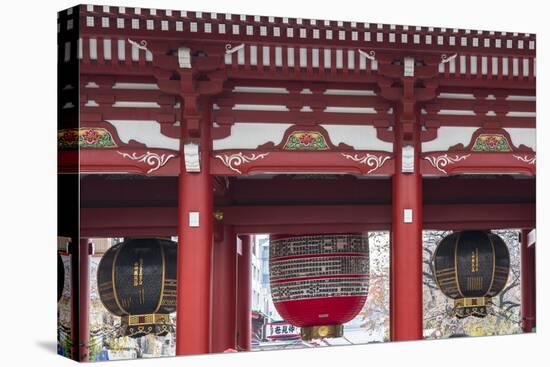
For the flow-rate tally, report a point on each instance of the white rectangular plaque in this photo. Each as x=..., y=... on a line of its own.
x=193, y=219
x=407, y=215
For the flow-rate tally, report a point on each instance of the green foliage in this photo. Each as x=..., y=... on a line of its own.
x=67, y=345
x=94, y=348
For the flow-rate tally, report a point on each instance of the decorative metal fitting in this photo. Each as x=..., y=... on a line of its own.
x=218, y=215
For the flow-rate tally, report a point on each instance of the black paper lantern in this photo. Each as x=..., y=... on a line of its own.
x=471, y=267
x=137, y=281
x=60, y=276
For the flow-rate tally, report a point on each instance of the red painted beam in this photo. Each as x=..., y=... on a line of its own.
x=509, y=83
x=463, y=162
x=163, y=162
x=489, y=105
x=291, y=117
x=129, y=113
x=147, y=221
x=479, y=216
x=169, y=115
x=487, y=90
x=436, y=120
x=126, y=191
x=138, y=160
x=297, y=74
x=109, y=95
x=306, y=214
x=292, y=190
x=123, y=222
x=294, y=75
x=296, y=99
x=300, y=84
x=237, y=162
x=307, y=228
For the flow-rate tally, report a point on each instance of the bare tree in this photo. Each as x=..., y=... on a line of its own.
x=504, y=317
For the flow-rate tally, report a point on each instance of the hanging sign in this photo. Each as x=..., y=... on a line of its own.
x=282, y=331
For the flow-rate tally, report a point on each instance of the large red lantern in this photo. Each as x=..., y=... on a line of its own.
x=319, y=282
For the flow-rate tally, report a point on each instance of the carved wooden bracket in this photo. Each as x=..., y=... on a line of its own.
x=305, y=138
x=491, y=140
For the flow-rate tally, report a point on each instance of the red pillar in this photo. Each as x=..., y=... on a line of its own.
x=406, y=244
x=84, y=300
x=528, y=284
x=224, y=293
x=244, y=289
x=195, y=249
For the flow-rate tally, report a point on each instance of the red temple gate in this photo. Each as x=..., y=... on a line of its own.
x=208, y=125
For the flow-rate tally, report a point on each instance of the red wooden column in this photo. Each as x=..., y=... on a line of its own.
x=84, y=300
x=195, y=245
x=406, y=241
x=528, y=283
x=244, y=289
x=224, y=293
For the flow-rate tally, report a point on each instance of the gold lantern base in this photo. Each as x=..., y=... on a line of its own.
x=136, y=326
x=472, y=306
x=322, y=332
x=472, y=302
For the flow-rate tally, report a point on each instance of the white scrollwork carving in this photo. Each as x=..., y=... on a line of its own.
x=526, y=159
x=235, y=160
x=444, y=160
x=229, y=49
x=371, y=55
x=445, y=59
x=151, y=159
x=142, y=45
x=370, y=160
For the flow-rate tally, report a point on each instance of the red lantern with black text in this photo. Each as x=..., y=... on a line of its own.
x=319, y=282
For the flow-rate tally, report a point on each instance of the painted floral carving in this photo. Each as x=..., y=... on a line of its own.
x=306, y=140
x=67, y=138
x=90, y=136
x=85, y=138
x=491, y=143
